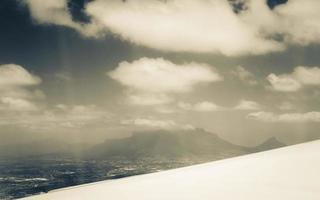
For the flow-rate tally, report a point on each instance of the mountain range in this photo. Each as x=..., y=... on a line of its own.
x=155, y=144
x=178, y=144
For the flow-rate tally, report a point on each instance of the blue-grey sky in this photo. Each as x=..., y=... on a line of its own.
x=246, y=70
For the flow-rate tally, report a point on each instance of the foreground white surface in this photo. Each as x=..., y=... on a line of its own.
x=291, y=173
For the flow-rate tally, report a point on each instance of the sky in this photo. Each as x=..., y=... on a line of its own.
x=87, y=70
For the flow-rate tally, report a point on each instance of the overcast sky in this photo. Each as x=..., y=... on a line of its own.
x=246, y=70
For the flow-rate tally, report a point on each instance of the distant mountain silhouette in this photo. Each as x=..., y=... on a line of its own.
x=271, y=143
x=177, y=144
x=189, y=144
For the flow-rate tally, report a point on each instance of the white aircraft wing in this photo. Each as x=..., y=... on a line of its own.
x=290, y=173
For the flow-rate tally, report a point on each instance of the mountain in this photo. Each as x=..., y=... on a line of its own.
x=190, y=144
x=166, y=144
x=271, y=143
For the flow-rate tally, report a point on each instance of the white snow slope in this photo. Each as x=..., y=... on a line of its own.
x=290, y=173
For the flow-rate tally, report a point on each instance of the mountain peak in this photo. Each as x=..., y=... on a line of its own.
x=271, y=143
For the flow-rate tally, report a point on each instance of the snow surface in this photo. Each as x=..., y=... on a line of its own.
x=290, y=173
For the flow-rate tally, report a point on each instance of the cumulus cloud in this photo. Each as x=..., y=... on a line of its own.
x=61, y=117
x=299, y=21
x=16, y=104
x=15, y=92
x=301, y=76
x=51, y=12
x=245, y=75
x=148, y=99
x=286, y=117
x=153, y=123
x=247, y=105
x=56, y=12
x=209, y=26
x=151, y=81
x=286, y=106
x=12, y=75
x=307, y=75
x=283, y=83
x=181, y=25
x=295, y=21
x=159, y=75
x=204, y=106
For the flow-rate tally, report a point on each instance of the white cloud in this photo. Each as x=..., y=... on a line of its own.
x=284, y=83
x=166, y=110
x=153, y=123
x=181, y=25
x=200, y=26
x=301, y=76
x=159, y=75
x=286, y=106
x=60, y=118
x=15, y=92
x=51, y=12
x=78, y=113
x=148, y=99
x=244, y=75
x=307, y=75
x=12, y=75
x=16, y=104
x=152, y=81
x=204, y=106
x=300, y=21
x=247, y=105
x=286, y=117
x=56, y=12
x=297, y=21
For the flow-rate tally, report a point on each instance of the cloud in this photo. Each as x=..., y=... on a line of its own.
x=152, y=123
x=307, y=75
x=52, y=12
x=286, y=117
x=286, y=106
x=159, y=75
x=283, y=83
x=12, y=75
x=181, y=25
x=166, y=109
x=22, y=105
x=15, y=89
x=301, y=76
x=299, y=21
x=16, y=104
x=63, y=76
x=202, y=26
x=151, y=81
x=247, y=105
x=148, y=99
x=61, y=117
x=56, y=12
x=204, y=106
x=296, y=22
x=245, y=75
